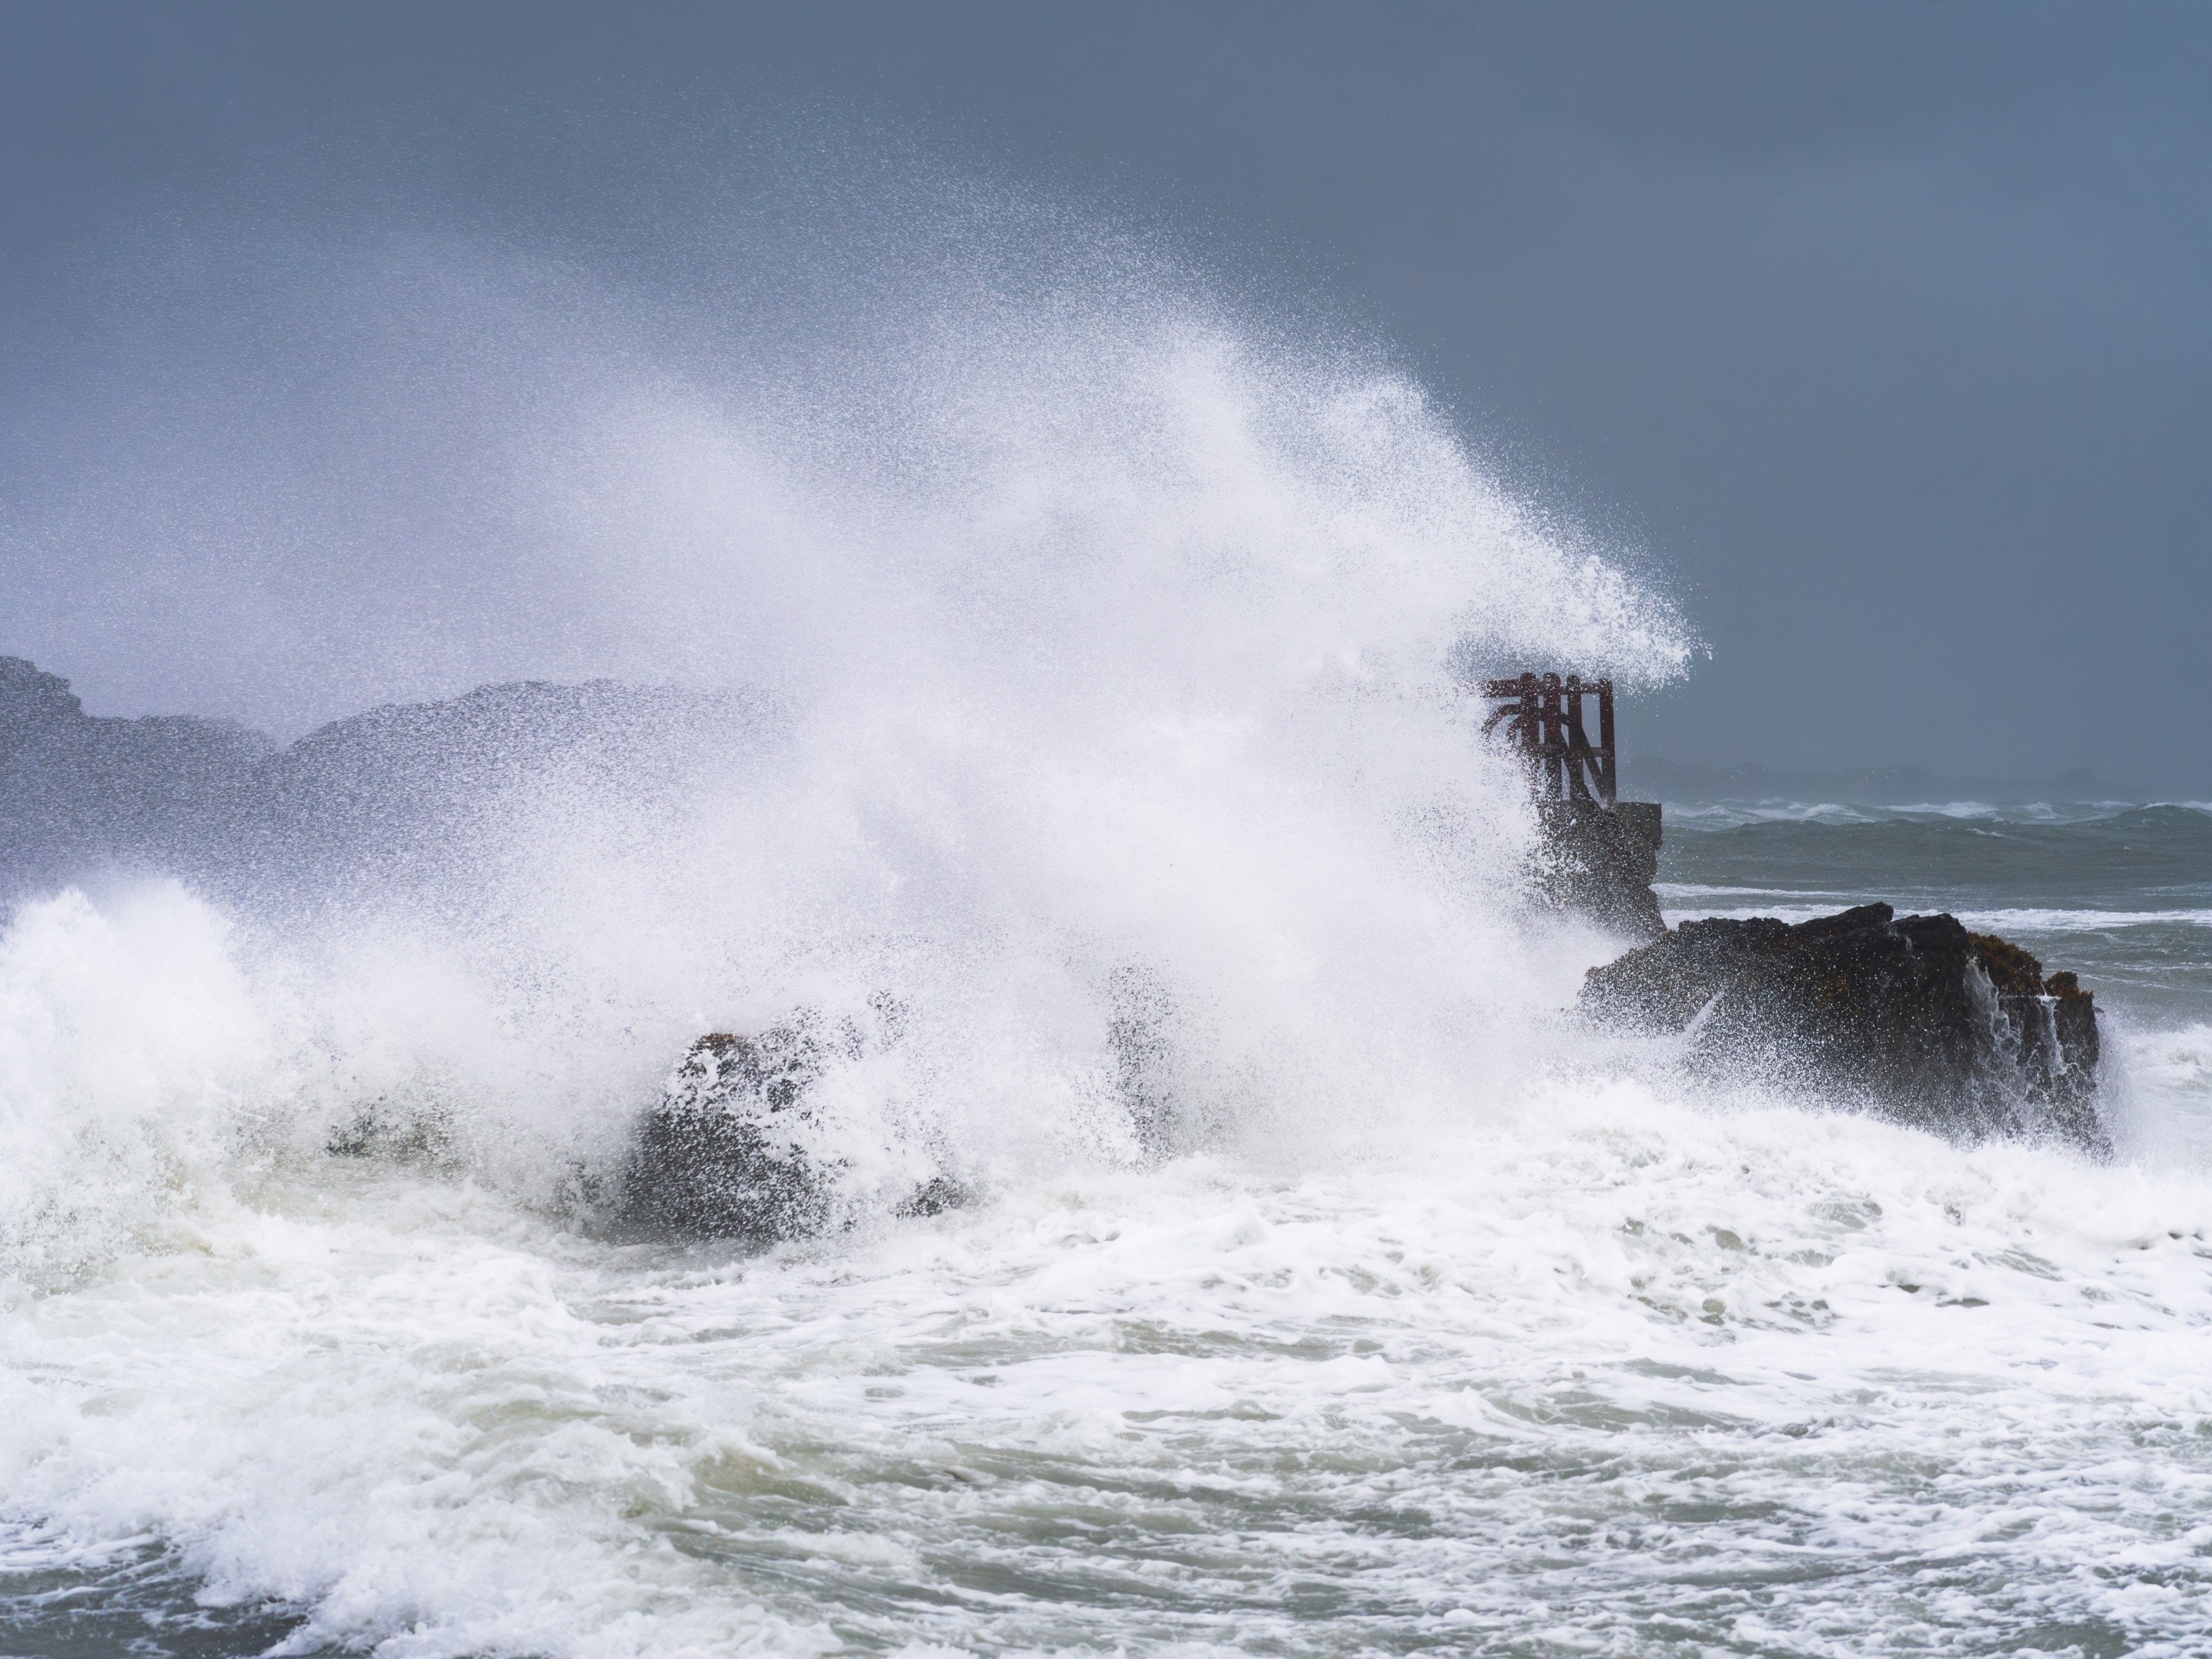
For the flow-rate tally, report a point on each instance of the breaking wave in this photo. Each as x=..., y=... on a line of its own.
x=1092, y=647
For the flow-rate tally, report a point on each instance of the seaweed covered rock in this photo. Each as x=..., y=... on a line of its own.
x=1948, y=1028
x=738, y=1148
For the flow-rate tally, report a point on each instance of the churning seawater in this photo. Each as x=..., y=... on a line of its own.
x=1109, y=652
x=1602, y=1368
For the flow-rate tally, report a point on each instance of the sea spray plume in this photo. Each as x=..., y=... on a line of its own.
x=335, y=461
x=1156, y=718
x=135, y=1058
x=1114, y=631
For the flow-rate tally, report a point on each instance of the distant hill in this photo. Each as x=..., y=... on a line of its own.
x=386, y=795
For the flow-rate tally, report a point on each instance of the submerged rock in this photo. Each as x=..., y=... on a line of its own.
x=1918, y=1017
x=735, y=1148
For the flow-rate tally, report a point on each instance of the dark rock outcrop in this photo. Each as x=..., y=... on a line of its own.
x=726, y=1153
x=1600, y=861
x=1914, y=1016
x=734, y=1150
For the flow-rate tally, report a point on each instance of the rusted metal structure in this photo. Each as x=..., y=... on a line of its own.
x=1542, y=715
x=1599, y=854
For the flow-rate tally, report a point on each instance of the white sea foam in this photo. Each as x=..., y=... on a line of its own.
x=1592, y=1372
x=131, y=1051
x=1691, y=890
x=2163, y=1097
x=2045, y=920
x=1728, y=815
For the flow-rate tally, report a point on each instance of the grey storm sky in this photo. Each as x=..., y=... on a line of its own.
x=1885, y=329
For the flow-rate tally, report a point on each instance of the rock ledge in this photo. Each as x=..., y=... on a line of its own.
x=1913, y=1016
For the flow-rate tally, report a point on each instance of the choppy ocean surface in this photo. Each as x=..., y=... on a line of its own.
x=1594, y=1367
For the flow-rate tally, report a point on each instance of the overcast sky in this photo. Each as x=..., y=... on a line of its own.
x=1885, y=331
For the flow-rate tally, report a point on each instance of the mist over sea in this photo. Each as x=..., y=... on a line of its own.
x=999, y=622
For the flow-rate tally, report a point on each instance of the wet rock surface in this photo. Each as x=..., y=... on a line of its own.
x=735, y=1148
x=1915, y=1016
x=725, y=1153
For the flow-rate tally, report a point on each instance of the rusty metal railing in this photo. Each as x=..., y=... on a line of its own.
x=1542, y=717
